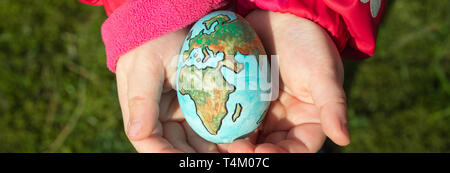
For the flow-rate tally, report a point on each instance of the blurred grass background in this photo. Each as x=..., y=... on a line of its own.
x=56, y=94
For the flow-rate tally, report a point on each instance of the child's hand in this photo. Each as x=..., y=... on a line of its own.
x=151, y=114
x=311, y=101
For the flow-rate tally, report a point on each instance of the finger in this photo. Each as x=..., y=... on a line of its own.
x=329, y=97
x=269, y=148
x=276, y=137
x=223, y=148
x=293, y=146
x=144, y=91
x=158, y=129
x=154, y=144
x=199, y=144
x=241, y=146
x=174, y=133
x=252, y=137
x=310, y=135
x=122, y=90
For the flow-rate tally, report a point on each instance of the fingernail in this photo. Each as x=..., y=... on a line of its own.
x=133, y=129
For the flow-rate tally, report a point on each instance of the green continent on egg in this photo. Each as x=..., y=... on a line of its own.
x=209, y=102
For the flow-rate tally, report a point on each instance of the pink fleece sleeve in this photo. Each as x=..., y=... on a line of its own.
x=110, y=5
x=353, y=24
x=138, y=21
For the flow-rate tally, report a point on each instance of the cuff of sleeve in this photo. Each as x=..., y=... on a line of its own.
x=350, y=23
x=315, y=11
x=139, y=21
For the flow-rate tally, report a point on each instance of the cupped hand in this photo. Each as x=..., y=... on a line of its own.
x=311, y=102
x=145, y=82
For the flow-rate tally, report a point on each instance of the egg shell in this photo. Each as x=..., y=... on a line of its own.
x=221, y=78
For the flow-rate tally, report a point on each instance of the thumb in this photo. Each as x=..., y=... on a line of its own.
x=145, y=82
x=329, y=97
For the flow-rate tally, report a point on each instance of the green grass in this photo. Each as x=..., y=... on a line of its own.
x=399, y=100
x=56, y=94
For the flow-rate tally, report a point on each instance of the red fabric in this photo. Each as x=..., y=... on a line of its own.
x=349, y=22
x=110, y=5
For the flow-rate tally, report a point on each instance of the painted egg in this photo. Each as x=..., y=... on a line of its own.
x=222, y=80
